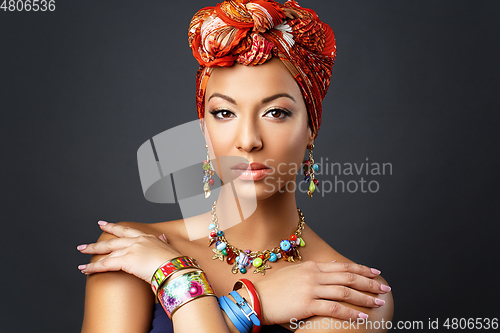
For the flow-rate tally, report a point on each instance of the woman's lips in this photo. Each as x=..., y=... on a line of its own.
x=251, y=171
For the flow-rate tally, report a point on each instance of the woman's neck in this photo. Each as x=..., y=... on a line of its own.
x=257, y=225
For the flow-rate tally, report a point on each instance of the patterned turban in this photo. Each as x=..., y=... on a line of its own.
x=250, y=32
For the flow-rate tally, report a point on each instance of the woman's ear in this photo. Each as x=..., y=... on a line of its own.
x=312, y=136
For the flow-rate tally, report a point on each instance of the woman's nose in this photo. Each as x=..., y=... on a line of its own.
x=248, y=136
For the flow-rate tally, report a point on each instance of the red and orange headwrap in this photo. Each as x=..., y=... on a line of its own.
x=250, y=32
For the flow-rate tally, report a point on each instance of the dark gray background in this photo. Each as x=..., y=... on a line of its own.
x=415, y=84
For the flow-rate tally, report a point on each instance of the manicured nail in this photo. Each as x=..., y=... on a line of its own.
x=385, y=288
x=163, y=238
x=362, y=315
x=82, y=267
x=102, y=222
x=333, y=261
x=81, y=247
x=375, y=271
x=379, y=301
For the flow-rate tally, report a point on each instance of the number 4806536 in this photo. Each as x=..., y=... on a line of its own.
x=28, y=5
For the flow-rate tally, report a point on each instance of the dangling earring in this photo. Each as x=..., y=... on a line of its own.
x=208, y=172
x=309, y=168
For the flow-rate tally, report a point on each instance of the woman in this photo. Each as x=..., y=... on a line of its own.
x=264, y=70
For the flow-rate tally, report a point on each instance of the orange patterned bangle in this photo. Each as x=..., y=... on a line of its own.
x=170, y=267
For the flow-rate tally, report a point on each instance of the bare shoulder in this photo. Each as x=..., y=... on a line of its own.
x=377, y=317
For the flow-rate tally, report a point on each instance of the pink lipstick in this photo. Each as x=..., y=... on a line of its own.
x=251, y=171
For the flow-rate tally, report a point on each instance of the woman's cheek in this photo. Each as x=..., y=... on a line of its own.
x=221, y=136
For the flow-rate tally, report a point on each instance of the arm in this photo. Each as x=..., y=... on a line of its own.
x=317, y=285
x=120, y=302
x=116, y=301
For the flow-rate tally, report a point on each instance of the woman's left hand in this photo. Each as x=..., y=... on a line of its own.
x=133, y=252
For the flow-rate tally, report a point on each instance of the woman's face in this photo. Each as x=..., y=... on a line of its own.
x=257, y=113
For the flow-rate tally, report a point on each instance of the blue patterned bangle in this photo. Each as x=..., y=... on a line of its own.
x=245, y=308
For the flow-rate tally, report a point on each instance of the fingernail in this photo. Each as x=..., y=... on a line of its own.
x=375, y=271
x=379, y=301
x=333, y=261
x=82, y=267
x=81, y=247
x=362, y=315
x=163, y=238
x=102, y=222
x=385, y=288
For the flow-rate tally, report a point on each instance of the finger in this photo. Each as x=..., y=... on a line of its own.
x=335, y=266
x=107, y=246
x=120, y=230
x=118, y=253
x=163, y=238
x=336, y=310
x=353, y=281
x=105, y=264
x=348, y=295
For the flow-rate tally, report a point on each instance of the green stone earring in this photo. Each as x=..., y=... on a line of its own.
x=208, y=172
x=309, y=168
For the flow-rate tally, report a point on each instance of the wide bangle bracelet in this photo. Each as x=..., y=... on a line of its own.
x=183, y=289
x=168, y=268
x=254, y=297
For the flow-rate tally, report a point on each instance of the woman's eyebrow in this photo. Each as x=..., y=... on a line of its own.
x=273, y=97
x=264, y=101
x=227, y=98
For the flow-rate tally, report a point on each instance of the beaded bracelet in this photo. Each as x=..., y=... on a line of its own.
x=168, y=268
x=254, y=297
x=183, y=289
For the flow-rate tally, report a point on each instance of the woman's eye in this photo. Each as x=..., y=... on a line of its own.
x=222, y=114
x=277, y=114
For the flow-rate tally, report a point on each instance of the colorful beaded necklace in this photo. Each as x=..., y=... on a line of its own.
x=243, y=260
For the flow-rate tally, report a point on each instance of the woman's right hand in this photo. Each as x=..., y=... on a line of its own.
x=315, y=289
x=132, y=251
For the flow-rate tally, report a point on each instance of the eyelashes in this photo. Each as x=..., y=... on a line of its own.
x=282, y=113
x=274, y=113
x=222, y=114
